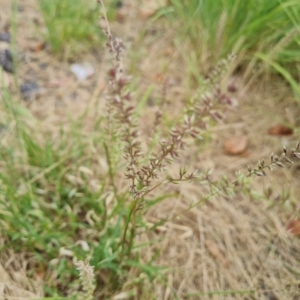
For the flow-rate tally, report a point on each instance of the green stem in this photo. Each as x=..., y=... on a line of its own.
x=131, y=217
x=110, y=169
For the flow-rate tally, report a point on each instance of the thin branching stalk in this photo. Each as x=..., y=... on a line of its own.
x=209, y=105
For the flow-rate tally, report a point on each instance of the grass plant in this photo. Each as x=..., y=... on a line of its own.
x=72, y=26
x=62, y=201
x=254, y=29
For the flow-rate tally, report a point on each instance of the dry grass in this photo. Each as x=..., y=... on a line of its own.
x=237, y=244
x=14, y=281
x=229, y=244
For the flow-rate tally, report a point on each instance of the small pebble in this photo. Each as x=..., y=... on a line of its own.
x=5, y=37
x=82, y=71
x=236, y=145
x=8, y=66
x=43, y=66
x=6, y=60
x=29, y=90
x=8, y=54
x=119, y=4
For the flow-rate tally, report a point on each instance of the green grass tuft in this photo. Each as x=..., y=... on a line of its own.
x=72, y=26
x=213, y=29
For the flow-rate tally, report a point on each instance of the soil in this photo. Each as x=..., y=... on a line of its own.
x=236, y=243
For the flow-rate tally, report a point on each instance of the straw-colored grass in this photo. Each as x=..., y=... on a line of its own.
x=228, y=248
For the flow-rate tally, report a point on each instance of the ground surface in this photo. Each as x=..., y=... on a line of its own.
x=237, y=243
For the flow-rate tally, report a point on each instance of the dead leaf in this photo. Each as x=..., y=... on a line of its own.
x=236, y=145
x=293, y=227
x=38, y=47
x=280, y=129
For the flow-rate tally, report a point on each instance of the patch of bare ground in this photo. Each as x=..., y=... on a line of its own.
x=237, y=243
